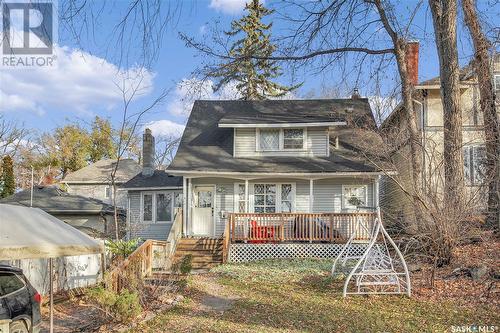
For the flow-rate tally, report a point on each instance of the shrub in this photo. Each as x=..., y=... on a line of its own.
x=184, y=265
x=123, y=306
x=122, y=248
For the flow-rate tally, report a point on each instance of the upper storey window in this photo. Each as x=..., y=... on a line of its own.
x=281, y=139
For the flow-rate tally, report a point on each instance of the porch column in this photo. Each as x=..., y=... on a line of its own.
x=311, y=197
x=184, y=206
x=377, y=192
x=246, y=196
x=189, y=203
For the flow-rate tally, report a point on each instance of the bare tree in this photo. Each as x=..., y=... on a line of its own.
x=166, y=146
x=482, y=61
x=131, y=116
x=444, y=14
x=12, y=136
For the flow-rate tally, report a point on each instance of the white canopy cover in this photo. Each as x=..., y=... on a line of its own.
x=27, y=233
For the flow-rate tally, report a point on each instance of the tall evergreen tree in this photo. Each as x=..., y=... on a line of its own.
x=7, y=179
x=247, y=66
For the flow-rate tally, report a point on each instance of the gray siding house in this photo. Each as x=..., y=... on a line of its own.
x=153, y=197
x=94, y=181
x=276, y=157
x=92, y=216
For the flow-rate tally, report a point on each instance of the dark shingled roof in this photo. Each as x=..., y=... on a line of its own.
x=207, y=147
x=159, y=179
x=287, y=111
x=54, y=200
x=100, y=172
x=466, y=73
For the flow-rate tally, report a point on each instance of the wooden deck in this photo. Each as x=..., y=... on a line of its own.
x=296, y=227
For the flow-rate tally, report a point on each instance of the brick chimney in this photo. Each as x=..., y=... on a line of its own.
x=355, y=94
x=148, y=153
x=412, y=48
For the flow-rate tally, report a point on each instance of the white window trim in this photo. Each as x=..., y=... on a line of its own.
x=281, y=140
x=472, y=181
x=251, y=188
x=153, y=207
x=344, y=194
x=105, y=191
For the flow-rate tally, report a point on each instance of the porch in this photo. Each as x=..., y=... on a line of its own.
x=253, y=236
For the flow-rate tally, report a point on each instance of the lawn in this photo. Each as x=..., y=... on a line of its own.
x=300, y=296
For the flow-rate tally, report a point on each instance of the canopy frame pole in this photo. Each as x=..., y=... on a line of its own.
x=51, y=294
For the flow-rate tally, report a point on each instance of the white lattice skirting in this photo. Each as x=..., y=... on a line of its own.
x=253, y=252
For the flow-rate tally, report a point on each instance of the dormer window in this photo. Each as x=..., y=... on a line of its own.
x=274, y=139
x=293, y=138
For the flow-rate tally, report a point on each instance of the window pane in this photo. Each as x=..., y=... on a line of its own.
x=259, y=209
x=467, y=165
x=286, y=206
x=178, y=199
x=286, y=192
x=479, y=165
x=9, y=283
x=270, y=209
x=164, y=207
x=148, y=208
x=270, y=200
x=269, y=139
x=258, y=188
x=204, y=199
x=354, y=196
x=293, y=138
x=271, y=188
x=259, y=200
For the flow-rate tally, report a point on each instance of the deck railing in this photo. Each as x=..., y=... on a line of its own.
x=298, y=227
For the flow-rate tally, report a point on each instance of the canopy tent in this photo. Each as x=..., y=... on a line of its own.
x=27, y=233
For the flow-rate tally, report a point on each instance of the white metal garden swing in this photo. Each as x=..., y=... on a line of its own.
x=381, y=269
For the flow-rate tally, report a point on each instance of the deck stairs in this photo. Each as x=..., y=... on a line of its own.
x=206, y=252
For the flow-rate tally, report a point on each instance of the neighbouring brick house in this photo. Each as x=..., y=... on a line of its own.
x=94, y=181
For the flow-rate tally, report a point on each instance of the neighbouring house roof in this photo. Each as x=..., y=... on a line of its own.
x=159, y=179
x=100, y=172
x=206, y=147
x=55, y=201
x=466, y=73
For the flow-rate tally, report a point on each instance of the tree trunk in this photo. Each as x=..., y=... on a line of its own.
x=488, y=108
x=444, y=14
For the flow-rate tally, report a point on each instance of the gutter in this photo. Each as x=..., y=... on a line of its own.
x=281, y=174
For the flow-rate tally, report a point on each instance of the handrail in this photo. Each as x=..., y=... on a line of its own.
x=139, y=264
x=226, y=239
x=286, y=227
x=175, y=233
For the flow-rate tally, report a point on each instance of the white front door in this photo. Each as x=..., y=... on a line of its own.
x=203, y=211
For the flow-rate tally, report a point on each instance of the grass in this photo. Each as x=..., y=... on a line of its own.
x=300, y=296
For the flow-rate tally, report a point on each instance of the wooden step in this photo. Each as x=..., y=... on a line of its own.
x=206, y=247
x=208, y=241
x=202, y=259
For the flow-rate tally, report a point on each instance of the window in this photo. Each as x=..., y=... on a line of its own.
x=147, y=208
x=9, y=283
x=293, y=138
x=281, y=139
x=159, y=207
x=497, y=85
x=163, y=207
x=107, y=192
x=272, y=198
x=269, y=139
x=240, y=198
x=474, y=164
x=264, y=198
x=354, y=196
x=286, y=198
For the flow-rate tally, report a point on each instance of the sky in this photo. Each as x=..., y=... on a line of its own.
x=84, y=83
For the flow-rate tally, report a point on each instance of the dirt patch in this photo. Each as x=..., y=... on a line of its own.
x=213, y=296
x=71, y=316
